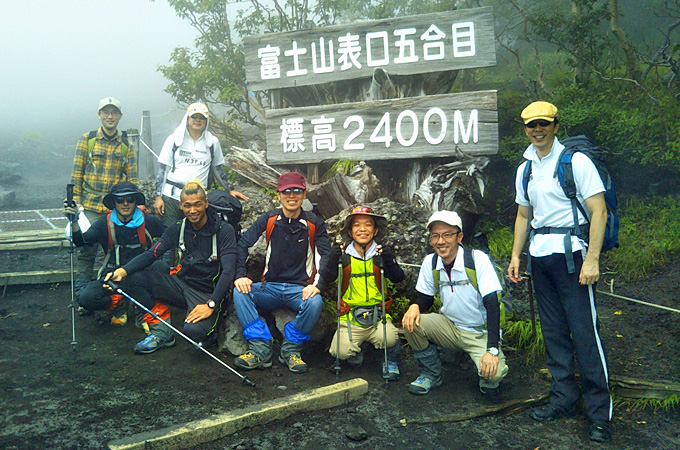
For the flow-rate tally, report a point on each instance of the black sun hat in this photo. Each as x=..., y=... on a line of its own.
x=380, y=221
x=120, y=190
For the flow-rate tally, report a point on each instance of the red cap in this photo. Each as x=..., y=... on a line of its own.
x=291, y=180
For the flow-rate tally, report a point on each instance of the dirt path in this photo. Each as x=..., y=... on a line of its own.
x=55, y=398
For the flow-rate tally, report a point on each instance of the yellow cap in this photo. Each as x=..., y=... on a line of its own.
x=198, y=108
x=539, y=110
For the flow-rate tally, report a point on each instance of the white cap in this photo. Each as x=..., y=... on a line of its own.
x=198, y=108
x=109, y=101
x=448, y=217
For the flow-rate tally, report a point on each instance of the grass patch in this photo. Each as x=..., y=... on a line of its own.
x=518, y=334
x=640, y=404
x=343, y=166
x=647, y=236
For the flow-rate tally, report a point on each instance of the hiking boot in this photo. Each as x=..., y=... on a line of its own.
x=84, y=312
x=294, y=363
x=549, y=412
x=119, y=321
x=250, y=361
x=422, y=385
x=152, y=343
x=356, y=360
x=600, y=432
x=391, y=372
x=489, y=391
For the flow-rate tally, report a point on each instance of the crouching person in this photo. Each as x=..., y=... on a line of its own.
x=296, y=241
x=207, y=258
x=361, y=305
x=124, y=232
x=460, y=323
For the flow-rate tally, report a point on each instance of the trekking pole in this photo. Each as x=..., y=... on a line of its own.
x=198, y=345
x=338, y=241
x=71, y=218
x=530, y=286
x=379, y=260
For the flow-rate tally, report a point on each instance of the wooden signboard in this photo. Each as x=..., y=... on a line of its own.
x=415, y=127
x=434, y=42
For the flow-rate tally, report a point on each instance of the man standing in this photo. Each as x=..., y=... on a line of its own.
x=125, y=232
x=296, y=240
x=207, y=247
x=566, y=298
x=465, y=311
x=192, y=151
x=103, y=158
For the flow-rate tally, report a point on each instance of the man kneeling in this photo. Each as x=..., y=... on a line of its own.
x=459, y=324
x=207, y=260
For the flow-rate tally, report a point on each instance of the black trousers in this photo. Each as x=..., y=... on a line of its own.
x=146, y=287
x=570, y=329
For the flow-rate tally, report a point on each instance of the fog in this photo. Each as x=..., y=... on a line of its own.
x=60, y=57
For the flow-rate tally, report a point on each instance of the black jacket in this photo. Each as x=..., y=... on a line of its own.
x=211, y=277
x=289, y=256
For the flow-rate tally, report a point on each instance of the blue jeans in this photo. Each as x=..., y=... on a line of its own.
x=269, y=296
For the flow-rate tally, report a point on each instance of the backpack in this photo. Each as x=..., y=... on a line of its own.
x=311, y=232
x=124, y=147
x=228, y=207
x=347, y=275
x=565, y=175
x=504, y=296
x=114, y=247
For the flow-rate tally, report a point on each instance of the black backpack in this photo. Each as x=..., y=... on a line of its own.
x=564, y=173
x=227, y=206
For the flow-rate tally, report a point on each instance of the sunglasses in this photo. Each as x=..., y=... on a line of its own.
x=296, y=191
x=362, y=210
x=125, y=198
x=534, y=123
x=198, y=117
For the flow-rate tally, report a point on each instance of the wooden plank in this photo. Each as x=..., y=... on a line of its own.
x=32, y=236
x=35, y=277
x=217, y=427
x=54, y=243
x=449, y=40
x=418, y=127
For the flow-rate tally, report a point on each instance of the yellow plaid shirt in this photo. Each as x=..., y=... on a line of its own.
x=93, y=177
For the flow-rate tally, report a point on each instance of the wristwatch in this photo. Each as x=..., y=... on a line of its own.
x=211, y=303
x=493, y=351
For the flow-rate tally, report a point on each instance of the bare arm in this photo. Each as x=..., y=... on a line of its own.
x=590, y=271
x=520, y=238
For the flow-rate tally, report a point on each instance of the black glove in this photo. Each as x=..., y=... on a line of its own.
x=336, y=253
x=71, y=210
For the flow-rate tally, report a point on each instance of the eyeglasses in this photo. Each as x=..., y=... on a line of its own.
x=296, y=191
x=541, y=122
x=125, y=198
x=361, y=210
x=448, y=237
x=109, y=112
x=198, y=117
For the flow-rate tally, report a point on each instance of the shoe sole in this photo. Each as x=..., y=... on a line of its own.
x=261, y=366
x=283, y=361
x=160, y=346
x=417, y=390
x=551, y=418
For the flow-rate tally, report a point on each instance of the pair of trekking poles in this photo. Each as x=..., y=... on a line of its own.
x=379, y=261
x=117, y=289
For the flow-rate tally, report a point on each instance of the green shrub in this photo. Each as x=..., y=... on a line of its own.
x=518, y=334
x=648, y=236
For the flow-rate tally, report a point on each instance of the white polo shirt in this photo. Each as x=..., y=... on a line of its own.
x=551, y=208
x=192, y=160
x=461, y=304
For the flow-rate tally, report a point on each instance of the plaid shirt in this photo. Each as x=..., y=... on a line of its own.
x=93, y=177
